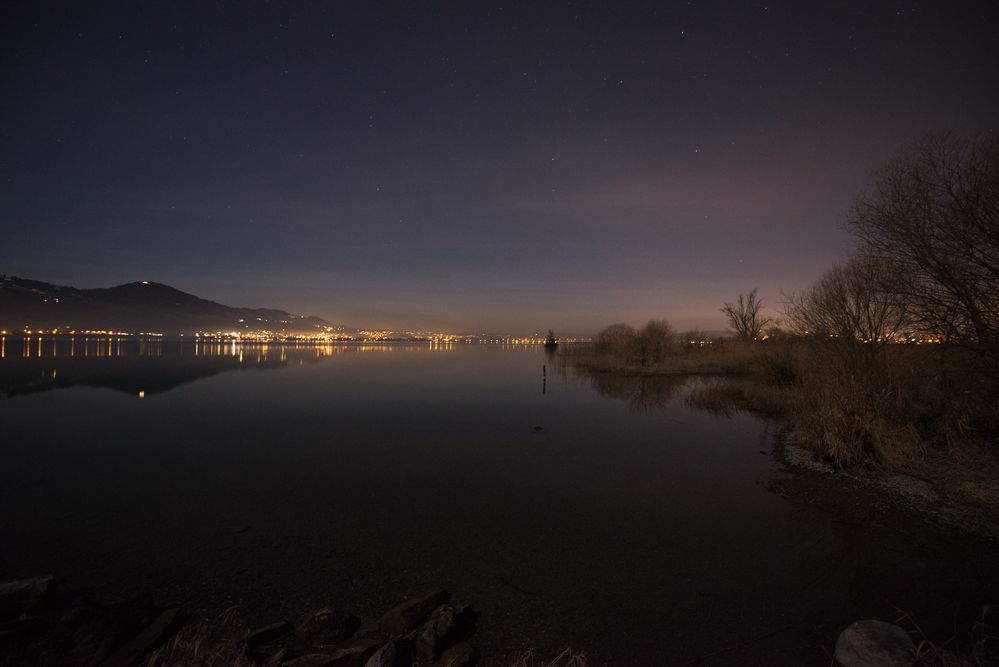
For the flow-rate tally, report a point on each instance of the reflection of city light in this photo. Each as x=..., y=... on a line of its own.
x=272, y=348
x=142, y=393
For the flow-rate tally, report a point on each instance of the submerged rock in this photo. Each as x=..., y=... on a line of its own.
x=144, y=641
x=459, y=655
x=874, y=643
x=446, y=625
x=20, y=629
x=407, y=615
x=396, y=653
x=277, y=658
x=326, y=626
x=355, y=654
x=267, y=634
x=311, y=660
x=25, y=596
x=104, y=626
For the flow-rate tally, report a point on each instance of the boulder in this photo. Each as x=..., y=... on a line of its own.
x=144, y=641
x=355, y=654
x=25, y=596
x=407, y=615
x=267, y=634
x=311, y=660
x=447, y=624
x=874, y=643
x=277, y=658
x=20, y=629
x=326, y=626
x=107, y=626
x=396, y=653
x=459, y=655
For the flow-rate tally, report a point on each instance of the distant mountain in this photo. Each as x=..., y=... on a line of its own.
x=139, y=307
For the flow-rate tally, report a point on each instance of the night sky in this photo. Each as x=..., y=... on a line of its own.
x=467, y=166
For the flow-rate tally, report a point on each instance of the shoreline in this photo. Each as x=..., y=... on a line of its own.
x=958, y=487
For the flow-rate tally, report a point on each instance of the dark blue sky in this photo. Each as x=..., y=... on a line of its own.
x=468, y=166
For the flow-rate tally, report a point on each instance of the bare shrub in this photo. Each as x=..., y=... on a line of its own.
x=656, y=342
x=650, y=346
x=616, y=339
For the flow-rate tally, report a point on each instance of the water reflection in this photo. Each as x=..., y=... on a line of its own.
x=144, y=367
x=364, y=478
x=643, y=393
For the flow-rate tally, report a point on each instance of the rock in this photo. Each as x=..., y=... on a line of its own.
x=370, y=629
x=396, y=653
x=459, y=655
x=407, y=615
x=19, y=629
x=239, y=530
x=267, y=634
x=875, y=644
x=311, y=660
x=446, y=625
x=355, y=654
x=951, y=659
x=136, y=612
x=326, y=626
x=25, y=596
x=106, y=626
x=143, y=642
x=277, y=658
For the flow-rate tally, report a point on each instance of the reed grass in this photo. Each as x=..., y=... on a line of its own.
x=876, y=406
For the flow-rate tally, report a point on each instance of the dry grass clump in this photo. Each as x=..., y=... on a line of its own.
x=885, y=405
x=208, y=642
x=984, y=643
x=567, y=658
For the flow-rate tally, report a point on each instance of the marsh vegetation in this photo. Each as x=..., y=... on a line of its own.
x=889, y=360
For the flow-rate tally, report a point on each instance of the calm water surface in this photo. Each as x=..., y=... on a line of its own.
x=599, y=513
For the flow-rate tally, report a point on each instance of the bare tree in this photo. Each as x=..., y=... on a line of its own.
x=855, y=302
x=745, y=316
x=932, y=216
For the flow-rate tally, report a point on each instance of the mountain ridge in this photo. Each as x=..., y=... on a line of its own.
x=141, y=306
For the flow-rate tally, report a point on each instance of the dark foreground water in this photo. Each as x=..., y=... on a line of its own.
x=599, y=513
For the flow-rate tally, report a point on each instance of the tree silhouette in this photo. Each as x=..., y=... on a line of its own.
x=745, y=316
x=932, y=216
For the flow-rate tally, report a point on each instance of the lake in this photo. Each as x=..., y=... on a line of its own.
x=597, y=512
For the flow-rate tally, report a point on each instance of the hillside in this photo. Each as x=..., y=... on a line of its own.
x=139, y=307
